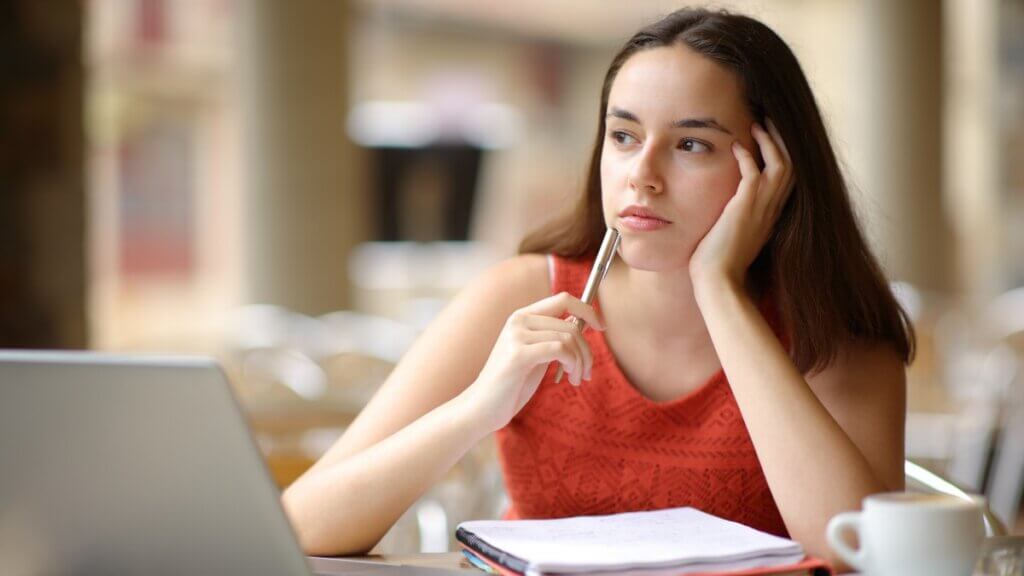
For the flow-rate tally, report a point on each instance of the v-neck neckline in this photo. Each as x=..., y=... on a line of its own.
x=619, y=375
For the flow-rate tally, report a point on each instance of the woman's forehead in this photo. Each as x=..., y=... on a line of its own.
x=675, y=81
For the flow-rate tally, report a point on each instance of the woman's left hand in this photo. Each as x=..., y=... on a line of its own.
x=732, y=243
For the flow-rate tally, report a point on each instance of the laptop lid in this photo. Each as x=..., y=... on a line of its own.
x=131, y=465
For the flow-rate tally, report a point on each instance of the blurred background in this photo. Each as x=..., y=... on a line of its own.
x=297, y=188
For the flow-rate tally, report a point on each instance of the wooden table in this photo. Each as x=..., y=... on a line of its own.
x=446, y=560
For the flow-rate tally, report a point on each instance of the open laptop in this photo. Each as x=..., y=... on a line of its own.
x=138, y=465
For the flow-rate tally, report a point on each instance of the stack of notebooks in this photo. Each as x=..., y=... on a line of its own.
x=661, y=542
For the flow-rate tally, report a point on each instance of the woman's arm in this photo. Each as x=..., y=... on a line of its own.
x=823, y=443
x=414, y=429
x=465, y=377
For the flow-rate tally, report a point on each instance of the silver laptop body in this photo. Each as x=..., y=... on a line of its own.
x=126, y=465
x=114, y=465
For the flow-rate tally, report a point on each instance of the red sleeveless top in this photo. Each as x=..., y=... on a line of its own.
x=604, y=448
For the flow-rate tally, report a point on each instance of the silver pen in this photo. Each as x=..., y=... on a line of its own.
x=605, y=256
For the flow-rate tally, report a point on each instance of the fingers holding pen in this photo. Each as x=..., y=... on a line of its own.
x=532, y=337
x=550, y=329
x=542, y=322
x=564, y=303
x=557, y=350
x=540, y=346
x=563, y=344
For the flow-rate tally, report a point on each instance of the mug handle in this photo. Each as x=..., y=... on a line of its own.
x=837, y=528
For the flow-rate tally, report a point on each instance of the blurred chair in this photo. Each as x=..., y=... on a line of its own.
x=956, y=388
x=320, y=360
x=980, y=381
x=1006, y=483
x=410, y=281
x=920, y=479
x=370, y=335
x=303, y=380
x=270, y=346
x=1004, y=320
x=931, y=414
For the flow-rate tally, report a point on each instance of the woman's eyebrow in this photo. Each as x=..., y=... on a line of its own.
x=684, y=123
x=701, y=123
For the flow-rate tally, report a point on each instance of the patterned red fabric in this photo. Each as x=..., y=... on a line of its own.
x=605, y=448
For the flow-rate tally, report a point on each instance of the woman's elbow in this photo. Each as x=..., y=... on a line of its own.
x=315, y=537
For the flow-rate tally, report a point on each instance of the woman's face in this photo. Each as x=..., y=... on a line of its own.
x=667, y=167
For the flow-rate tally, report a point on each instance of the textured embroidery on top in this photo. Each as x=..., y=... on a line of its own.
x=604, y=448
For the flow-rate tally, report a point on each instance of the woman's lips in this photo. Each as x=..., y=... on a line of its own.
x=642, y=224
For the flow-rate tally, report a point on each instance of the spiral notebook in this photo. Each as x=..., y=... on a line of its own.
x=654, y=543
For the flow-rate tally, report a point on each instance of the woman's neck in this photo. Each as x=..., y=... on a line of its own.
x=657, y=305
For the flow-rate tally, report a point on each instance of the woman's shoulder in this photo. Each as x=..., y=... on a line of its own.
x=858, y=369
x=515, y=282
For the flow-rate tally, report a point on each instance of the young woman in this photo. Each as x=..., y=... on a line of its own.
x=745, y=355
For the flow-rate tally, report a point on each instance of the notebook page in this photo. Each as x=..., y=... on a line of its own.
x=659, y=538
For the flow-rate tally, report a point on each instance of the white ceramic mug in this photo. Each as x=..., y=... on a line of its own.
x=906, y=534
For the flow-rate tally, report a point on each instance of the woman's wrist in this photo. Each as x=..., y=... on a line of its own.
x=708, y=285
x=471, y=414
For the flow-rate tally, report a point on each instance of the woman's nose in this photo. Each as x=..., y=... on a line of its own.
x=645, y=174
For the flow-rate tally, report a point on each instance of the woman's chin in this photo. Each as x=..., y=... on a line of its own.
x=653, y=258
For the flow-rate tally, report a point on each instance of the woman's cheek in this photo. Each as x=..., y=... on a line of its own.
x=721, y=187
x=718, y=191
x=613, y=185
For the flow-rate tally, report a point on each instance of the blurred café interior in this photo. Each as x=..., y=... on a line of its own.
x=297, y=188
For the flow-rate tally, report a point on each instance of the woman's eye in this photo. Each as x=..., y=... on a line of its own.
x=691, y=145
x=622, y=137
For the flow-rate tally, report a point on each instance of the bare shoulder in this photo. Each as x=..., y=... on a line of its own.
x=513, y=283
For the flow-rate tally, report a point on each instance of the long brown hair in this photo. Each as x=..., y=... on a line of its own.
x=825, y=284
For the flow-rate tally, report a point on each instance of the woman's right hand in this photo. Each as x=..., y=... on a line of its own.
x=532, y=338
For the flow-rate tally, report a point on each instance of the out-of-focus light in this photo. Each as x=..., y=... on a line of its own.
x=384, y=124
x=494, y=126
x=392, y=124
